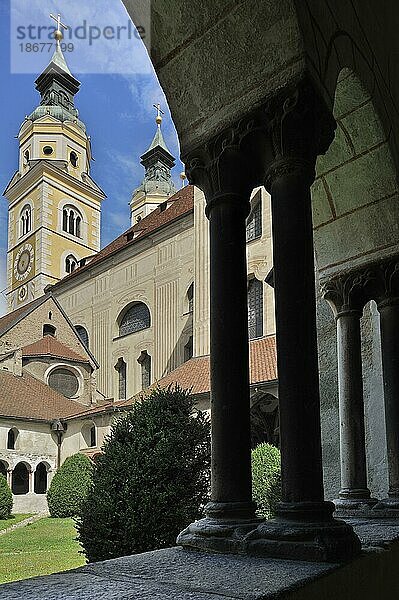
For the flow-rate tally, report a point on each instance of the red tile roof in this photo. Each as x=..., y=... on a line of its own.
x=25, y=397
x=195, y=373
x=16, y=315
x=50, y=346
x=179, y=204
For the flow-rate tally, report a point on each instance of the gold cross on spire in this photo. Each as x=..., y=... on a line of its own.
x=158, y=119
x=58, y=35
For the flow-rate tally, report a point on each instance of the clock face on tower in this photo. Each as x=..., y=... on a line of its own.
x=23, y=262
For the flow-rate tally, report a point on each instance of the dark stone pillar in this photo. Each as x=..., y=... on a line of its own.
x=295, y=128
x=345, y=296
x=302, y=478
x=226, y=177
x=301, y=128
x=389, y=324
x=387, y=297
x=230, y=407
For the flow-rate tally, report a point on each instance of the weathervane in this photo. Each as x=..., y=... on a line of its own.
x=158, y=119
x=58, y=35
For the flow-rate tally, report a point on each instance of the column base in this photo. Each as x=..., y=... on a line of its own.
x=302, y=531
x=387, y=508
x=354, y=507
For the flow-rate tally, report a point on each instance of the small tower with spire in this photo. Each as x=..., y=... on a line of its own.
x=157, y=185
x=54, y=205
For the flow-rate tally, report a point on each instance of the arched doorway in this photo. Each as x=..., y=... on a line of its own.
x=40, y=479
x=20, y=479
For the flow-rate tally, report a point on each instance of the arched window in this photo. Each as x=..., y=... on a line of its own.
x=120, y=368
x=89, y=433
x=82, y=333
x=72, y=221
x=73, y=157
x=64, y=382
x=254, y=222
x=145, y=361
x=255, y=309
x=190, y=298
x=71, y=263
x=25, y=220
x=12, y=439
x=20, y=480
x=49, y=330
x=136, y=318
x=40, y=479
x=3, y=468
x=26, y=157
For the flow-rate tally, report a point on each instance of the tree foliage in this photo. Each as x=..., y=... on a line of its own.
x=69, y=486
x=266, y=478
x=151, y=479
x=5, y=499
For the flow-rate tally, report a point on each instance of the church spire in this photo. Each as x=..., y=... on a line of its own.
x=56, y=85
x=157, y=184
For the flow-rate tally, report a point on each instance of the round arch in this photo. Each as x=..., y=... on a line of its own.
x=20, y=479
x=4, y=466
x=89, y=435
x=133, y=318
x=355, y=193
x=40, y=478
x=67, y=224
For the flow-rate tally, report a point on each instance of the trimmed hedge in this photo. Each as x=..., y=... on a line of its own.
x=69, y=486
x=266, y=478
x=151, y=479
x=6, y=500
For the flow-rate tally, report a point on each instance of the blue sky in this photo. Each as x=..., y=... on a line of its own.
x=117, y=109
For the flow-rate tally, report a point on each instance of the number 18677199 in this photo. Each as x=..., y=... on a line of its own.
x=45, y=47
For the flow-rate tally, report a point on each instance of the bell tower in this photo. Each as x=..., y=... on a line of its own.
x=157, y=185
x=54, y=205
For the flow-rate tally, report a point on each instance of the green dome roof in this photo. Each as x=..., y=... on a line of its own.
x=58, y=112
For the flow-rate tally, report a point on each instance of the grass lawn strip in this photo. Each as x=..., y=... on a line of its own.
x=40, y=548
x=6, y=523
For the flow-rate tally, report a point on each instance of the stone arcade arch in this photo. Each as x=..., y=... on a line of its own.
x=20, y=479
x=40, y=478
x=4, y=468
x=267, y=125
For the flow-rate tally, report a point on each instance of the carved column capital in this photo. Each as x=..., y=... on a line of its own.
x=386, y=292
x=348, y=293
x=301, y=127
x=225, y=167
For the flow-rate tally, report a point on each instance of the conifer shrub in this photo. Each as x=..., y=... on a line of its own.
x=5, y=499
x=266, y=478
x=69, y=486
x=150, y=480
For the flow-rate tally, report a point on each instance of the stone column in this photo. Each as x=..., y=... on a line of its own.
x=301, y=128
x=9, y=478
x=281, y=140
x=345, y=296
x=31, y=481
x=388, y=307
x=223, y=172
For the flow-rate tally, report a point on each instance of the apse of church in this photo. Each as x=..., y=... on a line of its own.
x=54, y=205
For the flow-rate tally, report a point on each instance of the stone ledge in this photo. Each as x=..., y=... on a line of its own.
x=177, y=574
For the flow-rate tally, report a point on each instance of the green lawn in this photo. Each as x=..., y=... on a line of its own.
x=44, y=547
x=5, y=523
